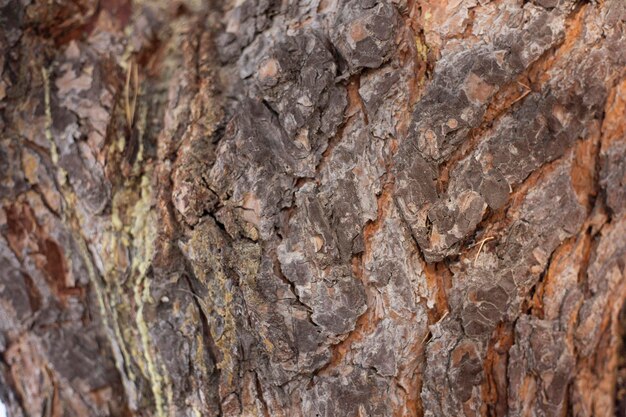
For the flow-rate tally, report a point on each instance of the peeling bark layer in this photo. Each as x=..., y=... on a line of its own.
x=313, y=208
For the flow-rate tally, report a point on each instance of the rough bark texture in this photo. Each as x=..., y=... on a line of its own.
x=313, y=208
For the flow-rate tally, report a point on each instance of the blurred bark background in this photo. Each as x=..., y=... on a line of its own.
x=313, y=208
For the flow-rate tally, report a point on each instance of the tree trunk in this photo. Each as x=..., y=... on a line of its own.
x=313, y=208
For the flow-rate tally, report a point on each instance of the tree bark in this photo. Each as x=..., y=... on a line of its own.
x=313, y=208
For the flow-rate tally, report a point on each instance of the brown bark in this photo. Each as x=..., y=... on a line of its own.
x=313, y=208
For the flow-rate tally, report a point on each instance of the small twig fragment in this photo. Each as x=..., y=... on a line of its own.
x=480, y=248
x=429, y=334
x=524, y=94
x=130, y=106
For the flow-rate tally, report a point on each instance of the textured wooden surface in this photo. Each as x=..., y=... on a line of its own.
x=313, y=208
